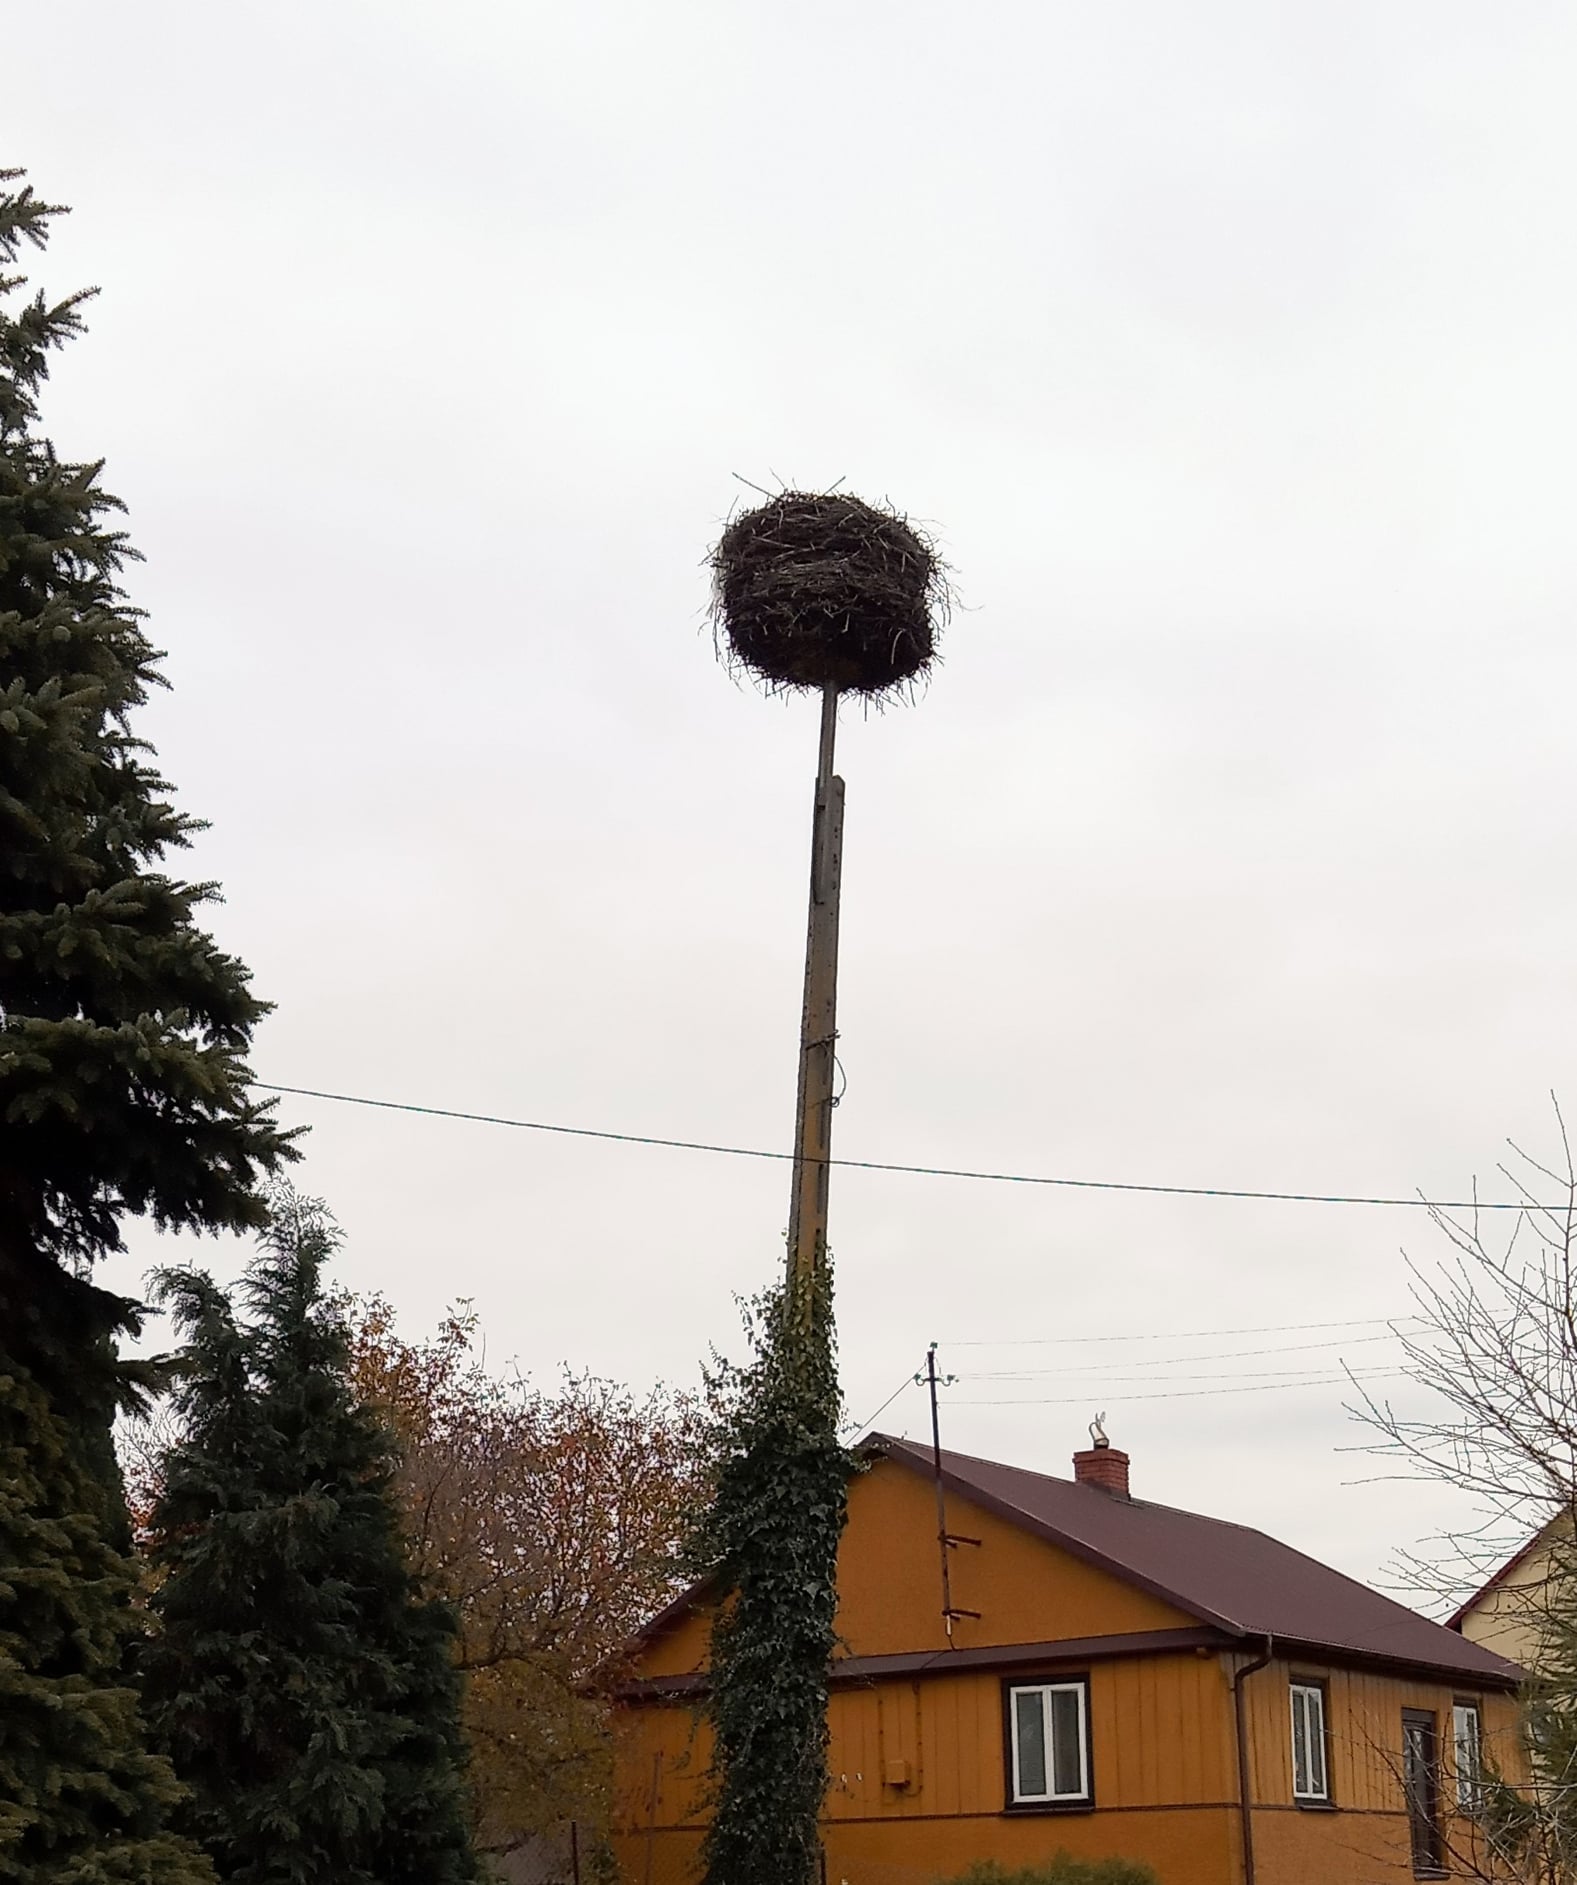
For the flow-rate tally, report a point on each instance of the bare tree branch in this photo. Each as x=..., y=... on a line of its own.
x=1494, y=1342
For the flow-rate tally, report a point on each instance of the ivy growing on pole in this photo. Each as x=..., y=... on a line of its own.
x=770, y=1541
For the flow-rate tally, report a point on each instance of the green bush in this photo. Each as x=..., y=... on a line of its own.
x=1060, y=1869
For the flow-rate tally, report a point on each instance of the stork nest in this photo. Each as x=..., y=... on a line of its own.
x=811, y=591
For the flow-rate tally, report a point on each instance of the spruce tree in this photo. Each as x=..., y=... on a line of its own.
x=123, y=1089
x=82, y=1800
x=304, y=1688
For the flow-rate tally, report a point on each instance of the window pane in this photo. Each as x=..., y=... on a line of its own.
x=1419, y=1756
x=1029, y=1782
x=1415, y=1757
x=1300, y=1743
x=1468, y=1754
x=1067, y=1752
x=1315, y=1699
x=1309, y=1781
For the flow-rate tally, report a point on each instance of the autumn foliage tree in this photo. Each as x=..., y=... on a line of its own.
x=553, y=1521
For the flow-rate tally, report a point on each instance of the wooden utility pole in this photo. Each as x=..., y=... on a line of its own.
x=818, y=1032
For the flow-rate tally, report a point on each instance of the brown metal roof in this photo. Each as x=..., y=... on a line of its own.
x=1232, y=1577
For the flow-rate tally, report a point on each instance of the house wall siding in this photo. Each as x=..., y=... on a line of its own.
x=1364, y=1721
x=1164, y=1765
x=890, y=1583
x=1162, y=1761
x=1365, y=1834
x=890, y=1580
x=1163, y=1737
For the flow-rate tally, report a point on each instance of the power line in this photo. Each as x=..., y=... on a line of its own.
x=1313, y=1379
x=1171, y=1361
x=883, y=1165
x=850, y=1425
x=1214, y=1374
x=1188, y=1394
x=1183, y=1335
x=1291, y=1378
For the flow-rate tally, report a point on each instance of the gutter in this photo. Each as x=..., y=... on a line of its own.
x=847, y=1671
x=1245, y=1805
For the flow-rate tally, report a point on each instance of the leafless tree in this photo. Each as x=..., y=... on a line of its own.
x=1493, y=1340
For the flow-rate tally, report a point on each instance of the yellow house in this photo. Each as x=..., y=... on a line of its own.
x=1507, y=1613
x=1111, y=1678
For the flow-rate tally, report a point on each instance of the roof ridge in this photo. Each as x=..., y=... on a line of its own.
x=1058, y=1479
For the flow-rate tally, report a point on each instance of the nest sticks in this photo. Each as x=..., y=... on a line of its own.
x=815, y=590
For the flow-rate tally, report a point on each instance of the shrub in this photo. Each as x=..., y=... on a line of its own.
x=1060, y=1869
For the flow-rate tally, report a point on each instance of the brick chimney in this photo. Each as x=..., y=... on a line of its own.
x=1102, y=1465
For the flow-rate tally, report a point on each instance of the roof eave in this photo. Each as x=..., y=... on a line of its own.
x=861, y=1671
x=1507, y=1678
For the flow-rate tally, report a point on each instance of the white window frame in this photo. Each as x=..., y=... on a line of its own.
x=1468, y=1775
x=1307, y=1707
x=1077, y=1687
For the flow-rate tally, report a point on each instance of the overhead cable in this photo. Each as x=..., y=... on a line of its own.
x=884, y=1165
x=851, y=1425
x=1188, y=1394
x=1171, y=1361
x=1183, y=1335
x=1213, y=1374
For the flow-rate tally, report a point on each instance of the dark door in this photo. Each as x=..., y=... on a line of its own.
x=1421, y=1784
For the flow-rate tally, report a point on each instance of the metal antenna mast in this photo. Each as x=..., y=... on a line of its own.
x=945, y=1539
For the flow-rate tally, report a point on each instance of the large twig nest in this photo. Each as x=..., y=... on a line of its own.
x=810, y=590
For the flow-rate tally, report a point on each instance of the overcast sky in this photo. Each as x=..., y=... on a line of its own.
x=1227, y=349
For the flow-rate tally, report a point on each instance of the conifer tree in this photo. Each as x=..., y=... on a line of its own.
x=81, y=1796
x=123, y=1089
x=304, y=1688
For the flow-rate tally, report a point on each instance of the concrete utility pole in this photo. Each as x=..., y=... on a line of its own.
x=818, y=1032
